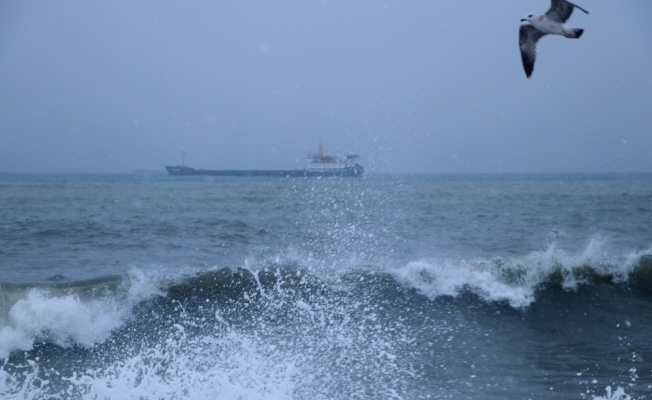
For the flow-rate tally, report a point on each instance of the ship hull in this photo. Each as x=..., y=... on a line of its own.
x=348, y=171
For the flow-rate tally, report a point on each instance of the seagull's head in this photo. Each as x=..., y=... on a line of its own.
x=528, y=18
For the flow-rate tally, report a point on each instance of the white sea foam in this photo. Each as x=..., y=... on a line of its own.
x=67, y=318
x=228, y=367
x=515, y=280
x=618, y=394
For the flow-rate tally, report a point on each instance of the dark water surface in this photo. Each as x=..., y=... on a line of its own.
x=392, y=287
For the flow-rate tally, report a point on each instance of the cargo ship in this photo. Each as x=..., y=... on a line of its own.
x=320, y=165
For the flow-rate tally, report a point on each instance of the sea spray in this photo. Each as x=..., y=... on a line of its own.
x=224, y=334
x=618, y=394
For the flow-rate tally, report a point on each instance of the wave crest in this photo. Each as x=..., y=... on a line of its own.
x=516, y=280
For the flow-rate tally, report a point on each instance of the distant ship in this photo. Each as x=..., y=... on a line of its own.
x=320, y=165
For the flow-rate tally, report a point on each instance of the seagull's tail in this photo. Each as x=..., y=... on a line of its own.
x=574, y=33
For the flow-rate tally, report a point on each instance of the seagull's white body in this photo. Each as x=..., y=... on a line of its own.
x=548, y=26
x=551, y=23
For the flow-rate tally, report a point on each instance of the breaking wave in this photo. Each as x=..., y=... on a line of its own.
x=82, y=314
x=271, y=334
x=517, y=280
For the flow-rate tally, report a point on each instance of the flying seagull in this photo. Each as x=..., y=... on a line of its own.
x=553, y=23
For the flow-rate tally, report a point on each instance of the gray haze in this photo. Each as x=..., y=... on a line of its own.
x=411, y=86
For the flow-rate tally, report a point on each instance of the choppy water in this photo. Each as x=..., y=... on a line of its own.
x=392, y=287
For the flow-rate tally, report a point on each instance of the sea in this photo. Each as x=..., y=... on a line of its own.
x=498, y=286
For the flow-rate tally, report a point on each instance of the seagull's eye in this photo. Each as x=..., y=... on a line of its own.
x=529, y=16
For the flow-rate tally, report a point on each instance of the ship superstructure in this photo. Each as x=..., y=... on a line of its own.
x=320, y=163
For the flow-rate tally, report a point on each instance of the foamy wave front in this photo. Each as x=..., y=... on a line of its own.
x=67, y=318
x=516, y=280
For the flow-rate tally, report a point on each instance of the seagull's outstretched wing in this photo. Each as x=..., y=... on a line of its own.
x=528, y=36
x=561, y=10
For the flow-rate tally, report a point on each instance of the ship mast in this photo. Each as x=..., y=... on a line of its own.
x=183, y=154
x=321, y=150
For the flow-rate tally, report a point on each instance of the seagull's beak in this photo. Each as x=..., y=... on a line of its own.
x=523, y=20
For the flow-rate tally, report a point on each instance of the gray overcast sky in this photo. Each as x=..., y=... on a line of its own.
x=411, y=86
